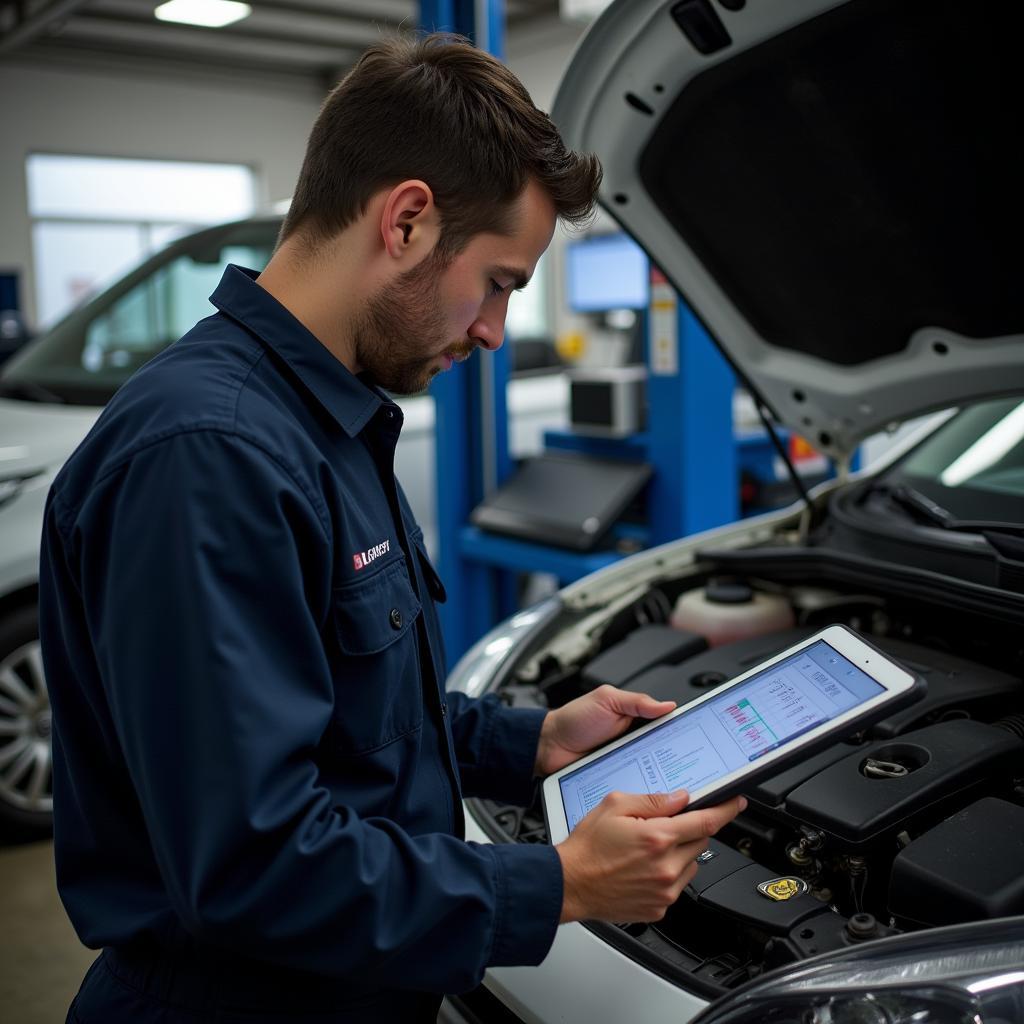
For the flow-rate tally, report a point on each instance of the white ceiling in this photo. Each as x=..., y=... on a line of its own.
x=314, y=39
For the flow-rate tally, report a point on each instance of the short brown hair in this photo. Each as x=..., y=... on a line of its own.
x=438, y=109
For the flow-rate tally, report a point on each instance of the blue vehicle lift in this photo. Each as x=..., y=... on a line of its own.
x=688, y=442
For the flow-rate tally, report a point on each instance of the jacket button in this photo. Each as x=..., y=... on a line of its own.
x=396, y=618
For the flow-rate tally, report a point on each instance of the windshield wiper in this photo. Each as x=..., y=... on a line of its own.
x=30, y=391
x=914, y=501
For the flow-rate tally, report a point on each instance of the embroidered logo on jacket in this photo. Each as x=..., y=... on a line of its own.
x=361, y=559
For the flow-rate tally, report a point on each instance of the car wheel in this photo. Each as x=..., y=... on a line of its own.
x=26, y=780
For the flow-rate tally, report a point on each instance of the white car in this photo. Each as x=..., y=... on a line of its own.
x=835, y=189
x=51, y=393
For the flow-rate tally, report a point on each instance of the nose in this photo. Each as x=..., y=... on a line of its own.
x=487, y=341
x=488, y=329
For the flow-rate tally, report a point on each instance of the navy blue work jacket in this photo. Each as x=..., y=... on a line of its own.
x=255, y=760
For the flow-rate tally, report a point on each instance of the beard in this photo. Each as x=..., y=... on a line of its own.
x=401, y=335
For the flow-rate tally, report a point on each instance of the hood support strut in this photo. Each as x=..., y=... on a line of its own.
x=780, y=448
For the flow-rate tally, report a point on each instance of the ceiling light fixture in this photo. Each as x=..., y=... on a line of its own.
x=208, y=13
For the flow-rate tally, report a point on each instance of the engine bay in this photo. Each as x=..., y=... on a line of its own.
x=916, y=822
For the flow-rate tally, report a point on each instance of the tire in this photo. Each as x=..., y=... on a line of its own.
x=26, y=778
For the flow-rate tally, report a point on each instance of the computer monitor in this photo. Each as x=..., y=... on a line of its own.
x=606, y=272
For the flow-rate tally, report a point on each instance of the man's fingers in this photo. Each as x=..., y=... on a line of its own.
x=690, y=826
x=687, y=876
x=703, y=823
x=648, y=707
x=636, y=705
x=648, y=805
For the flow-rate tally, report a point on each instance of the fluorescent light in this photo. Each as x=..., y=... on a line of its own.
x=208, y=13
x=1000, y=981
x=987, y=450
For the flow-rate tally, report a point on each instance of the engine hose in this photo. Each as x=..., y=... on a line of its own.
x=652, y=608
x=1012, y=723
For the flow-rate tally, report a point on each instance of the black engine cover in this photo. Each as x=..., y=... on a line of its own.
x=942, y=761
x=955, y=685
x=966, y=869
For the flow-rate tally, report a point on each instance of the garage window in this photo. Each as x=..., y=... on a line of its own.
x=528, y=314
x=93, y=218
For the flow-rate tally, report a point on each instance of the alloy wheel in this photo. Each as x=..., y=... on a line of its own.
x=25, y=760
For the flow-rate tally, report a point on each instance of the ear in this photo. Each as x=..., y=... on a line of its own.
x=409, y=222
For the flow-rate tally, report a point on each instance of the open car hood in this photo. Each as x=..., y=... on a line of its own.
x=835, y=188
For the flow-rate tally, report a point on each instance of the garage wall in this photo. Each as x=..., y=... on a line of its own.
x=132, y=112
x=539, y=55
x=184, y=117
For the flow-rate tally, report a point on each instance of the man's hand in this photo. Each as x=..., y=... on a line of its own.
x=629, y=859
x=589, y=721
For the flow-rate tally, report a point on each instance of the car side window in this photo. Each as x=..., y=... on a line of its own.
x=160, y=309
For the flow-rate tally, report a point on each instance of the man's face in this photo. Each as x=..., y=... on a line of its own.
x=435, y=315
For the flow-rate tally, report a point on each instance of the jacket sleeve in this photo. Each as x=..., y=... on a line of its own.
x=203, y=567
x=496, y=747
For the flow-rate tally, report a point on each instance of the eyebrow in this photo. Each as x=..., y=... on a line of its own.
x=520, y=279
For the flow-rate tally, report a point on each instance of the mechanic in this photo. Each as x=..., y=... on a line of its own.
x=258, y=773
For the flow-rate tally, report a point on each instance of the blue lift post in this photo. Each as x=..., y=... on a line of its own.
x=689, y=423
x=689, y=443
x=471, y=416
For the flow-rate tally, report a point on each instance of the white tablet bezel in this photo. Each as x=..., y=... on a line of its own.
x=896, y=681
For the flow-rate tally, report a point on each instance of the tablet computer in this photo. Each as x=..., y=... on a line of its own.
x=785, y=709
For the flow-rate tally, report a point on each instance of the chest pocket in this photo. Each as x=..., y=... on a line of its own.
x=434, y=584
x=378, y=692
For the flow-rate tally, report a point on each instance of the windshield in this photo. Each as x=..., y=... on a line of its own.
x=86, y=357
x=972, y=466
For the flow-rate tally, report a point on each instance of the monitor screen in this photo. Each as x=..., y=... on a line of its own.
x=608, y=272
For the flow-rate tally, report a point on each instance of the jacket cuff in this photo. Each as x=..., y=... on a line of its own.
x=528, y=905
x=512, y=741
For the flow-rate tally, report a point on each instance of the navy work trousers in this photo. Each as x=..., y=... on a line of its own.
x=128, y=988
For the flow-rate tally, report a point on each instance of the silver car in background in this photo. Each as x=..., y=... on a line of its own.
x=52, y=391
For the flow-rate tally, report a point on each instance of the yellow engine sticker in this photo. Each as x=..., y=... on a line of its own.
x=783, y=888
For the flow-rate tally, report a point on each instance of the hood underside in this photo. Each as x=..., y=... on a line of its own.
x=833, y=187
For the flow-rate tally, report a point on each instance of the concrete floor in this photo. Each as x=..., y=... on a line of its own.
x=41, y=961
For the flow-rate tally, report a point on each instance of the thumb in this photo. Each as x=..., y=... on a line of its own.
x=648, y=707
x=639, y=705
x=653, y=805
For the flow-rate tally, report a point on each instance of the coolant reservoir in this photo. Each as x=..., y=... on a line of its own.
x=725, y=612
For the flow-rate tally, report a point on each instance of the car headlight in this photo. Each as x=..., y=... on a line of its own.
x=477, y=667
x=966, y=974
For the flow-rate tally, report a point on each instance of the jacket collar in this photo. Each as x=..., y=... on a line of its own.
x=350, y=401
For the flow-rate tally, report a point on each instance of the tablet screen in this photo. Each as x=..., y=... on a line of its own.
x=698, y=747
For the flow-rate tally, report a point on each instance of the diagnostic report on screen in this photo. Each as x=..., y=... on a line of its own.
x=697, y=747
